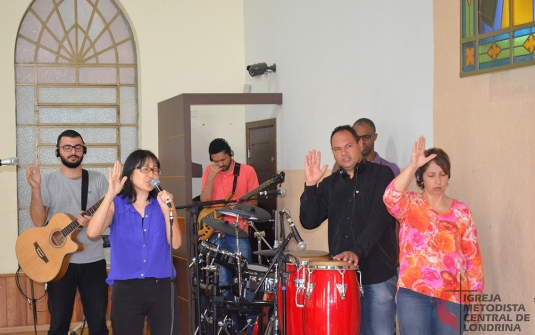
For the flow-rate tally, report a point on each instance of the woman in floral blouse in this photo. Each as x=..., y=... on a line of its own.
x=440, y=262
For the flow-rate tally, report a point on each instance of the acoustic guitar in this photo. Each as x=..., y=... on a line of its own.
x=44, y=252
x=205, y=231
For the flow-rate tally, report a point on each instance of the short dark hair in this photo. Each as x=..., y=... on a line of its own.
x=442, y=159
x=135, y=160
x=365, y=121
x=69, y=133
x=219, y=145
x=345, y=127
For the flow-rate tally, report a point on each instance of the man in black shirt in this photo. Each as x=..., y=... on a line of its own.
x=360, y=231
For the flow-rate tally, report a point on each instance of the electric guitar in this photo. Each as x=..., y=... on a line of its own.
x=44, y=252
x=205, y=231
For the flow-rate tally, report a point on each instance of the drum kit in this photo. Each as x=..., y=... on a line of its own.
x=303, y=291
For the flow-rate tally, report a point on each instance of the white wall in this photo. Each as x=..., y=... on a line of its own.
x=10, y=17
x=210, y=122
x=485, y=123
x=184, y=46
x=339, y=61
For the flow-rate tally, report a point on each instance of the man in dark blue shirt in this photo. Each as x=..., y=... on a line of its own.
x=360, y=231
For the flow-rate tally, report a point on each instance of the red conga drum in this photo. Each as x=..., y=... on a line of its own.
x=295, y=288
x=332, y=301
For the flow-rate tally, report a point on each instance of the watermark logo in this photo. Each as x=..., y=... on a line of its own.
x=483, y=313
x=487, y=312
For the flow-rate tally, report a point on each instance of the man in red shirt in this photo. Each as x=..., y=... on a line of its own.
x=227, y=179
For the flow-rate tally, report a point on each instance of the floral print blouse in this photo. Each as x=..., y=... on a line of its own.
x=439, y=252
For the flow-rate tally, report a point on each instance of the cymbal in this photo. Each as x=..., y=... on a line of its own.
x=225, y=228
x=247, y=212
x=267, y=253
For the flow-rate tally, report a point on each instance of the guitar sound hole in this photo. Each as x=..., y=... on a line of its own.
x=57, y=239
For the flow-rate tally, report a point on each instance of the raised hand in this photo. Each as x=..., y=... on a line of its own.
x=313, y=173
x=115, y=183
x=418, y=158
x=34, y=179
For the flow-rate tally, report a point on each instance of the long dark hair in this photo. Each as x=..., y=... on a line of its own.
x=135, y=160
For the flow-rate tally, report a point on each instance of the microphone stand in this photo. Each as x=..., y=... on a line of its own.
x=194, y=241
x=277, y=259
x=171, y=267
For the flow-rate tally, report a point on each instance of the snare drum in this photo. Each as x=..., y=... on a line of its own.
x=332, y=301
x=253, y=276
x=221, y=256
x=295, y=288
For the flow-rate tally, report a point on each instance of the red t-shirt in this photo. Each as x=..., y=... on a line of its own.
x=222, y=186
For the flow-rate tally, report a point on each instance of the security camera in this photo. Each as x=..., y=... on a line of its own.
x=260, y=68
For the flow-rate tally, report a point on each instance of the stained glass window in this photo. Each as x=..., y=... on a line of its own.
x=75, y=68
x=496, y=35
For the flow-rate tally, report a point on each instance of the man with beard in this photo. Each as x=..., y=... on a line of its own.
x=227, y=179
x=61, y=192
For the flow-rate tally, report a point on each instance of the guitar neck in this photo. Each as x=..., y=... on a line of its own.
x=260, y=187
x=71, y=227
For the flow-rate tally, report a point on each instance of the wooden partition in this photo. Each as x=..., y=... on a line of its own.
x=16, y=312
x=174, y=152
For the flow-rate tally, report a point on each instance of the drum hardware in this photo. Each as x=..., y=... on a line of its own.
x=220, y=318
x=247, y=212
x=343, y=286
x=211, y=268
x=310, y=288
x=225, y=227
x=224, y=324
x=193, y=261
x=259, y=237
x=196, y=278
x=361, y=289
x=249, y=322
x=216, y=254
x=267, y=252
x=273, y=324
x=253, y=278
x=207, y=318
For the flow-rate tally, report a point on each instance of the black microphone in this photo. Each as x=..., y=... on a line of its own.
x=301, y=245
x=280, y=191
x=9, y=161
x=155, y=183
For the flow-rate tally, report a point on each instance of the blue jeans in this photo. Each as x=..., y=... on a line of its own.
x=229, y=243
x=378, y=308
x=420, y=314
x=225, y=275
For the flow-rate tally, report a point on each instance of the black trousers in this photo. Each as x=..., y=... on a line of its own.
x=90, y=280
x=134, y=299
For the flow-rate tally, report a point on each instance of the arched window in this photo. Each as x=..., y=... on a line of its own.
x=496, y=35
x=75, y=67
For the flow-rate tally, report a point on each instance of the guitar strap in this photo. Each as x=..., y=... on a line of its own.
x=85, y=186
x=236, y=174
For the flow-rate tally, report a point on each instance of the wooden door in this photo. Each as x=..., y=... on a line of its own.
x=262, y=156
